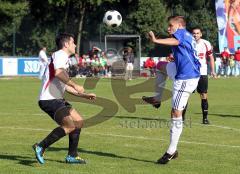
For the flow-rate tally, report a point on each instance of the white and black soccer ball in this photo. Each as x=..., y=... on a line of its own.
x=112, y=18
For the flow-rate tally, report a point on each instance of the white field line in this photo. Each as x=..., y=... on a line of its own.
x=218, y=126
x=7, y=113
x=198, y=124
x=128, y=136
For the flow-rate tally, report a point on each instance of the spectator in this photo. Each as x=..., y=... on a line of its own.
x=225, y=61
x=237, y=61
x=82, y=65
x=103, y=64
x=73, y=65
x=231, y=65
x=128, y=57
x=150, y=64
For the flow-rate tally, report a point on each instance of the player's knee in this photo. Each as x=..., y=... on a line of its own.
x=79, y=123
x=68, y=129
x=203, y=96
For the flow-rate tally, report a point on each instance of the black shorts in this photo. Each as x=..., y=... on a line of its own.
x=202, y=84
x=55, y=108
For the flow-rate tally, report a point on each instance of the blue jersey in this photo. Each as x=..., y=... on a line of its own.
x=187, y=64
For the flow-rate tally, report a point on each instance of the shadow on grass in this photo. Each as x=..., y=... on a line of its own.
x=103, y=154
x=221, y=115
x=32, y=162
x=24, y=160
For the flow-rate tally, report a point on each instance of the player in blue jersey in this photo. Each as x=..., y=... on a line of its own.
x=185, y=80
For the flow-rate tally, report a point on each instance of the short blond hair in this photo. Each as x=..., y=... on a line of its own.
x=179, y=19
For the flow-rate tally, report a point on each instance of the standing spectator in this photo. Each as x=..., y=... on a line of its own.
x=150, y=64
x=128, y=57
x=43, y=61
x=231, y=65
x=73, y=65
x=237, y=61
x=225, y=61
x=82, y=65
x=103, y=63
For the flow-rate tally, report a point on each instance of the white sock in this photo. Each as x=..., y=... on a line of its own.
x=175, y=132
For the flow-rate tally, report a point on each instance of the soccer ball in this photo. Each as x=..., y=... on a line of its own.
x=112, y=18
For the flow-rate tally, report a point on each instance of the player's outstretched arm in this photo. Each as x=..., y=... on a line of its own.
x=168, y=41
x=62, y=75
x=71, y=90
x=212, y=66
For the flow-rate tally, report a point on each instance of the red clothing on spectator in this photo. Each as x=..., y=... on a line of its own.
x=237, y=55
x=80, y=61
x=225, y=54
x=150, y=63
x=225, y=57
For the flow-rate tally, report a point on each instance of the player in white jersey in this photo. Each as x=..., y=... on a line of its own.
x=55, y=82
x=43, y=61
x=204, y=51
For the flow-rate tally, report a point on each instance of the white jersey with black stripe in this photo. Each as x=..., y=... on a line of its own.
x=52, y=87
x=204, y=49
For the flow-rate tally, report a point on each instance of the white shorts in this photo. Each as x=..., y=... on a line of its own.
x=182, y=89
x=171, y=70
x=129, y=66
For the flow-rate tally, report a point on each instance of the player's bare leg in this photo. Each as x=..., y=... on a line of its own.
x=74, y=138
x=70, y=122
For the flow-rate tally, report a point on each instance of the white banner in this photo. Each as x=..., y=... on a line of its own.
x=10, y=67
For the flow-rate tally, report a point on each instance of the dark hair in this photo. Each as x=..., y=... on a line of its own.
x=197, y=28
x=238, y=48
x=62, y=38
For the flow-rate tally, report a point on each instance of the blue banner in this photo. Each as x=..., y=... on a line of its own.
x=28, y=66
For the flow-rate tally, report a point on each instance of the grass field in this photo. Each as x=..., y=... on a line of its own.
x=126, y=143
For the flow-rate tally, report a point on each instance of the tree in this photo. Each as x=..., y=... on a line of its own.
x=149, y=15
x=38, y=21
x=11, y=15
x=81, y=6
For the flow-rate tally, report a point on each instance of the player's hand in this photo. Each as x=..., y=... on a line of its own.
x=151, y=36
x=79, y=89
x=91, y=96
